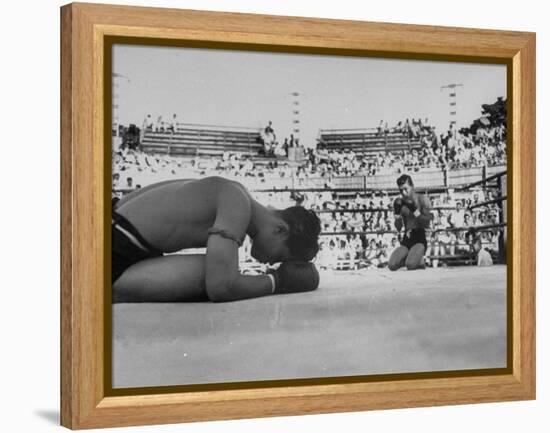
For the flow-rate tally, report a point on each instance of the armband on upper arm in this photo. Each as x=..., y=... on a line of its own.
x=224, y=234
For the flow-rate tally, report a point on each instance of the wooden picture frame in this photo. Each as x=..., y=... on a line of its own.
x=85, y=304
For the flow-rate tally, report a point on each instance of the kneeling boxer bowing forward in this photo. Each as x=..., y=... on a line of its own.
x=411, y=211
x=215, y=213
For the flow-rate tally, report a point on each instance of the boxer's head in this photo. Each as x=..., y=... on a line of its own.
x=292, y=234
x=405, y=185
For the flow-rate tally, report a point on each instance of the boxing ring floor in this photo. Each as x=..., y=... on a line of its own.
x=356, y=323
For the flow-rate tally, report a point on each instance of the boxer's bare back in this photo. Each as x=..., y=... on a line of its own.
x=176, y=215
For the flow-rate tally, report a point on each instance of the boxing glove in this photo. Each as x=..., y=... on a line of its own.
x=397, y=205
x=293, y=277
x=409, y=204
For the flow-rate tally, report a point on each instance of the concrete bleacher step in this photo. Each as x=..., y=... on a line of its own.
x=193, y=152
x=371, y=148
x=188, y=139
x=203, y=139
x=365, y=138
x=194, y=135
x=367, y=142
x=231, y=147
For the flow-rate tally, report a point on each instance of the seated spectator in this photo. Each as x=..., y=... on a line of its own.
x=325, y=257
x=433, y=250
x=116, y=181
x=483, y=256
x=457, y=218
x=172, y=126
x=159, y=124
x=380, y=128
x=370, y=254
x=382, y=257
x=467, y=220
x=491, y=241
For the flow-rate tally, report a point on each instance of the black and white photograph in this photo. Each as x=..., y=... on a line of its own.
x=280, y=216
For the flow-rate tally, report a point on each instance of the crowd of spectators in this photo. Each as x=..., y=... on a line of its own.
x=452, y=150
x=146, y=168
x=358, y=229
x=413, y=128
x=483, y=143
x=159, y=124
x=358, y=232
x=456, y=149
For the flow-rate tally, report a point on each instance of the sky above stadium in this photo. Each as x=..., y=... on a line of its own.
x=239, y=88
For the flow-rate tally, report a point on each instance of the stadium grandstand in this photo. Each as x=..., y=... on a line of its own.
x=348, y=179
x=205, y=140
x=367, y=142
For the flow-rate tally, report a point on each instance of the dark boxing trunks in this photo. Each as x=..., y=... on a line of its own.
x=125, y=251
x=416, y=236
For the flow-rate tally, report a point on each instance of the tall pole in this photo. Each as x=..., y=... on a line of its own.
x=451, y=88
x=296, y=115
x=117, y=80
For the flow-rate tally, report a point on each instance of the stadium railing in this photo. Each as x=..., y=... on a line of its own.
x=423, y=178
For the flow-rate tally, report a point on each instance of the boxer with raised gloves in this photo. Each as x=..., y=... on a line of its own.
x=412, y=213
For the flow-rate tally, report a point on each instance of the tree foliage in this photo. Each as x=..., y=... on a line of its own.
x=494, y=115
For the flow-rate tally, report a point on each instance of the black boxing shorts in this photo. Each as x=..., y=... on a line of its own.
x=125, y=250
x=415, y=236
